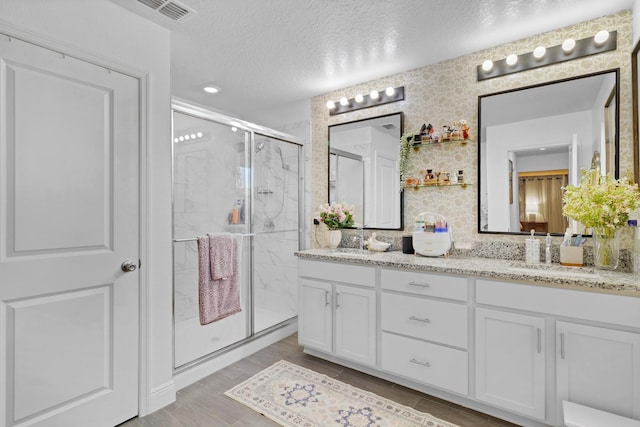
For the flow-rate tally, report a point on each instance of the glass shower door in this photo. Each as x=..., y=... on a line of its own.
x=276, y=185
x=211, y=182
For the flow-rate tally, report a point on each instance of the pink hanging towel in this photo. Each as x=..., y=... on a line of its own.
x=217, y=298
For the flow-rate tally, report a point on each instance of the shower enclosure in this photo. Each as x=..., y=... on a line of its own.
x=243, y=179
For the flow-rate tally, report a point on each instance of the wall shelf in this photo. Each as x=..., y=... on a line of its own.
x=416, y=187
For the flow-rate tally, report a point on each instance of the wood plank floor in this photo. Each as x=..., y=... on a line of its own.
x=204, y=403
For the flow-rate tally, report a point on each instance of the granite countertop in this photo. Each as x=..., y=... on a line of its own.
x=554, y=275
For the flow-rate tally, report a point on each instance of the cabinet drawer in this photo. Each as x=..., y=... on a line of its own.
x=431, y=364
x=434, y=285
x=594, y=306
x=345, y=273
x=438, y=321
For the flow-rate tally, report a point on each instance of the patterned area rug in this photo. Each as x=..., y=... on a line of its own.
x=294, y=396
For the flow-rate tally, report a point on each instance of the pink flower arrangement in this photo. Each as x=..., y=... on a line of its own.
x=336, y=215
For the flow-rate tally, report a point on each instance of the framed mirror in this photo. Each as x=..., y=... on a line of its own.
x=363, y=169
x=535, y=140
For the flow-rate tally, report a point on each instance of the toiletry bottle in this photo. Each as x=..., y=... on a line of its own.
x=460, y=177
x=547, y=250
x=532, y=250
x=235, y=212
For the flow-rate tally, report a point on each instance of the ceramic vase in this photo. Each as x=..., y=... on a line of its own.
x=606, y=247
x=333, y=238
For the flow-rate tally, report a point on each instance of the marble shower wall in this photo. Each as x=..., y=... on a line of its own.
x=448, y=91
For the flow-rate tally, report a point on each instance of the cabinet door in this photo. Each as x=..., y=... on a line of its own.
x=510, y=361
x=355, y=323
x=599, y=368
x=314, y=318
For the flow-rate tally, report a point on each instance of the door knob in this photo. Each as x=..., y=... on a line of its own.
x=128, y=266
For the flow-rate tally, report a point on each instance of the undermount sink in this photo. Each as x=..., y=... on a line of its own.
x=351, y=252
x=554, y=270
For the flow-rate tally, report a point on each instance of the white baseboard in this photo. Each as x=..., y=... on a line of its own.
x=196, y=373
x=160, y=397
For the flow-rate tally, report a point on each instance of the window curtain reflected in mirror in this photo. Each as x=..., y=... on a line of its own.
x=540, y=202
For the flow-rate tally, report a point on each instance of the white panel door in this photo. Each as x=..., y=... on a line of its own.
x=387, y=193
x=510, y=361
x=355, y=324
x=69, y=164
x=598, y=368
x=315, y=314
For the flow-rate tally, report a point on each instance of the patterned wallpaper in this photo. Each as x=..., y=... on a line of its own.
x=448, y=91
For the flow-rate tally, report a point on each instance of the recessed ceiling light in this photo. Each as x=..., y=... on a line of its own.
x=211, y=89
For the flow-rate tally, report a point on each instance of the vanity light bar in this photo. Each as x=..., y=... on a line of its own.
x=551, y=55
x=373, y=99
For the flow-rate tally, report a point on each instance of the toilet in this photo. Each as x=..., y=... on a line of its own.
x=582, y=416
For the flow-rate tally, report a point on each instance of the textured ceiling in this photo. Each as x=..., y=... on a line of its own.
x=265, y=54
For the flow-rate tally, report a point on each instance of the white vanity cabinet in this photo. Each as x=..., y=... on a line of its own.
x=424, y=322
x=599, y=368
x=515, y=350
x=510, y=361
x=337, y=310
x=596, y=359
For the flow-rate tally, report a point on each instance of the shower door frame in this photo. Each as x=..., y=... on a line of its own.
x=252, y=130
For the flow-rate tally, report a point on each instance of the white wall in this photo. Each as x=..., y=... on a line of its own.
x=105, y=32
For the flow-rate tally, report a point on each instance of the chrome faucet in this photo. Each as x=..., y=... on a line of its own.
x=361, y=238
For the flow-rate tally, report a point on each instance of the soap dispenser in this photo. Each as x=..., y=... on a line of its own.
x=532, y=249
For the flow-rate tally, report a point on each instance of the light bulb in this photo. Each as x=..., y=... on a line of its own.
x=181, y=139
x=193, y=136
x=331, y=105
x=374, y=94
x=344, y=101
x=176, y=140
x=487, y=65
x=389, y=91
x=187, y=137
x=199, y=134
x=512, y=59
x=539, y=52
x=234, y=129
x=568, y=45
x=601, y=37
x=359, y=98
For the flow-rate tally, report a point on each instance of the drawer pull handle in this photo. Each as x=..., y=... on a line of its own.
x=422, y=285
x=425, y=320
x=418, y=362
x=338, y=300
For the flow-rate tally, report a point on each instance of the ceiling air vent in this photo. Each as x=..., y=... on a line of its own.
x=388, y=126
x=171, y=9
